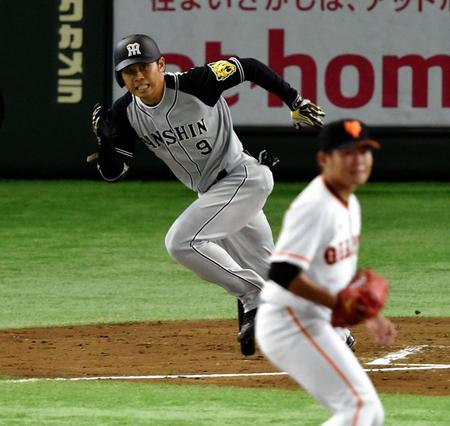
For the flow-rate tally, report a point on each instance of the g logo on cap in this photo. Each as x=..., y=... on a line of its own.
x=133, y=49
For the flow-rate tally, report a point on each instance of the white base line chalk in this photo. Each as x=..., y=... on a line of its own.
x=401, y=367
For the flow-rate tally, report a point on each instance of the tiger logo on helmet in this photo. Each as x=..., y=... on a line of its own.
x=222, y=69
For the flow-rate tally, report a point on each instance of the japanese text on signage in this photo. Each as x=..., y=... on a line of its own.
x=299, y=5
x=70, y=56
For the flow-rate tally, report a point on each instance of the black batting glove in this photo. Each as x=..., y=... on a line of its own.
x=98, y=121
x=98, y=118
x=267, y=159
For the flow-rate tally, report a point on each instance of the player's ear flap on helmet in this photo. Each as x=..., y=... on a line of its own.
x=119, y=79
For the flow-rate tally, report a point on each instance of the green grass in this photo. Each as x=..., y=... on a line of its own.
x=406, y=236
x=107, y=403
x=89, y=252
x=86, y=252
x=79, y=252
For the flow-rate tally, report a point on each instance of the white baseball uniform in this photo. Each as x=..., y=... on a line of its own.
x=320, y=234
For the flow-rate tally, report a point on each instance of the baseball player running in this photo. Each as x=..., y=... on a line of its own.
x=308, y=291
x=223, y=236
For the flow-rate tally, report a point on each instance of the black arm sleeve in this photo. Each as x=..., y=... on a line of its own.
x=117, y=142
x=260, y=74
x=208, y=83
x=283, y=273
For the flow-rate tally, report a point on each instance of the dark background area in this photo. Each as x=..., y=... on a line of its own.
x=41, y=138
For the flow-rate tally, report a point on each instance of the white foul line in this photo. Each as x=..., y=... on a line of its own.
x=154, y=377
x=401, y=367
x=387, y=360
x=410, y=367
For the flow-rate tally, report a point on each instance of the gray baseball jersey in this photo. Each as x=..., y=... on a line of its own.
x=223, y=236
x=191, y=129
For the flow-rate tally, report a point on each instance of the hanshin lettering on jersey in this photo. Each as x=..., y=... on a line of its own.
x=170, y=136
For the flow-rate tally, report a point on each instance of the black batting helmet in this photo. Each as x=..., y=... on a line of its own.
x=133, y=49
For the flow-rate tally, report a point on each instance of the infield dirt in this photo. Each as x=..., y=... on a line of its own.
x=207, y=347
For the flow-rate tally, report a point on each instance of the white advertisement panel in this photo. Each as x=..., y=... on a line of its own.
x=384, y=61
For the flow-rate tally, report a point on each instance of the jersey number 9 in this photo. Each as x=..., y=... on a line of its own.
x=204, y=147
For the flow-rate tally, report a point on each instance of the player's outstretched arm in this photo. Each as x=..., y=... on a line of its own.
x=303, y=111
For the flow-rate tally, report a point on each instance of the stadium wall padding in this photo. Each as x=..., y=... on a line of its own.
x=54, y=68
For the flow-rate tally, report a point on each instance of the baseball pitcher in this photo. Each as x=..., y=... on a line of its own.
x=314, y=285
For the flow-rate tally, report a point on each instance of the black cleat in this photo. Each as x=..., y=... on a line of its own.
x=247, y=331
x=246, y=336
x=248, y=347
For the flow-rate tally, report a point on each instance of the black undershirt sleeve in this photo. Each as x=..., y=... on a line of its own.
x=205, y=84
x=260, y=74
x=283, y=273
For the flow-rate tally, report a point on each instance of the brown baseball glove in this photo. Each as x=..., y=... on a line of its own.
x=362, y=299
